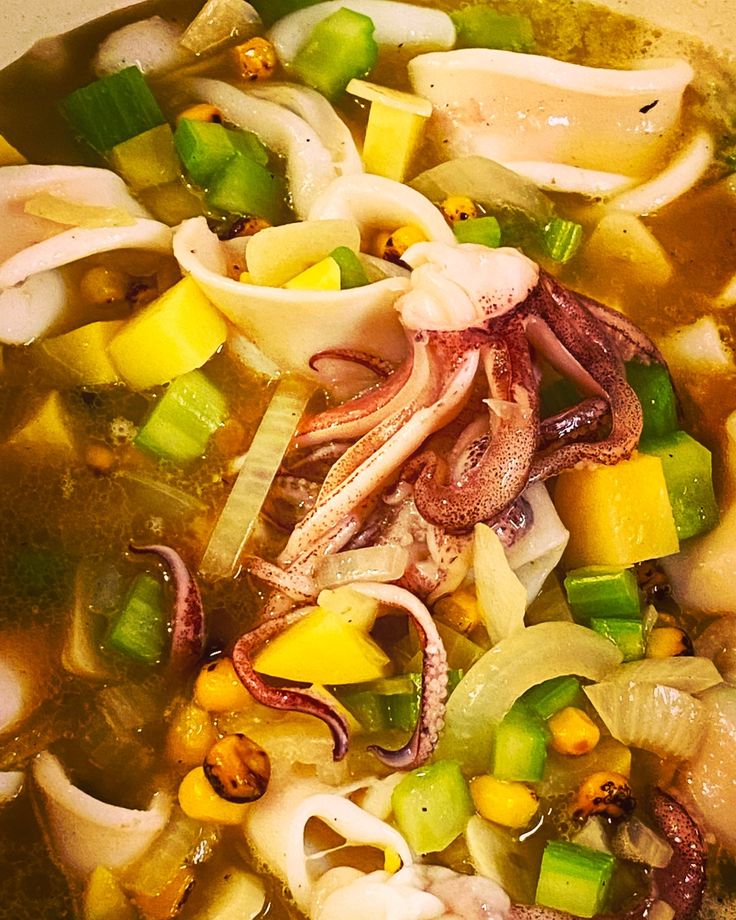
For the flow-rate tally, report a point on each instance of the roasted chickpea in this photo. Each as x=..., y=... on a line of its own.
x=237, y=769
x=256, y=59
x=604, y=793
x=457, y=208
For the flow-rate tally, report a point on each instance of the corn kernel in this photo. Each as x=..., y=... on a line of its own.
x=256, y=59
x=190, y=736
x=199, y=800
x=203, y=111
x=391, y=861
x=573, y=732
x=460, y=609
x=457, y=208
x=102, y=285
x=218, y=688
x=505, y=803
x=668, y=642
x=392, y=245
x=604, y=793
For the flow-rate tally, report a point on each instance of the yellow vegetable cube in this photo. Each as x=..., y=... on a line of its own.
x=191, y=734
x=509, y=804
x=573, y=732
x=323, y=276
x=219, y=689
x=616, y=515
x=148, y=159
x=174, y=334
x=47, y=433
x=199, y=800
x=9, y=156
x=81, y=355
x=104, y=898
x=323, y=648
x=460, y=609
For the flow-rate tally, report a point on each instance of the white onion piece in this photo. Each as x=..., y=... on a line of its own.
x=218, y=23
x=698, y=349
x=509, y=106
x=561, y=177
x=85, y=832
x=727, y=296
x=31, y=309
x=312, y=106
x=496, y=855
x=11, y=784
x=236, y=895
x=358, y=318
x=593, y=835
x=718, y=642
x=689, y=674
x=385, y=562
x=278, y=254
x=249, y=355
x=538, y=551
x=635, y=841
x=501, y=596
x=623, y=244
x=522, y=660
x=399, y=26
x=152, y=45
x=660, y=719
x=376, y=203
x=309, y=165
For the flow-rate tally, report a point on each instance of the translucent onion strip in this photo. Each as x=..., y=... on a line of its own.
x=691, y=675
x=370, y=563
x=660, y=719
x=522, y=660
x=238, y=517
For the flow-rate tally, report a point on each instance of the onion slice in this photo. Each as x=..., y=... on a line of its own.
x=385, y=562
x=517, y=663
x=501, y=596
x=238, y=517
x=691, y=675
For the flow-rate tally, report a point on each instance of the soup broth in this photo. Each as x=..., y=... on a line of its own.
x=67, y=527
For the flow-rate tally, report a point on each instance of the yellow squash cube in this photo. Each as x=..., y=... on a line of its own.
x=617, y=515
x=81, y=355
x=323, y=276
x=47, y=434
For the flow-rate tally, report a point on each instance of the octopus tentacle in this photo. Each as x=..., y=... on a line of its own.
x=502, y=471
x=586, y=416
x=434, y=678
x=295, y=584
x=631, y=343
x=281, y=697
x=380, y=366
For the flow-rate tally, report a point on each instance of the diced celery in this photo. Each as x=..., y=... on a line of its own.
x=352, y=273
x=432, y=805
x=688, y=473
x=184, y=419
x=653, y=387
x=140, y=629
x=247, y=143
x=245, y=187
x=562, y=239
x=340, y=48
x=485, y=231
x=602, y=591
x=147, y=160
x=113, y=109
x=628, y=635
x=520, y=746
x=480, y=26
x=204, y=147
x=574, y=878
x=552, y=695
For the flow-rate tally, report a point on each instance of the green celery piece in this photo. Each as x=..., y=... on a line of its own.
x=147, y=160
x=245, y=187
x=352, y=273
x=480, y=26
x=557, y=396
x=340, y=48
x=551, y=696
x=520, y=746
x=602, y=591
x=271, y=10
x=204, y=147
x=247, y=143
x=139, y=631
x=628, y=635
x=562, y=239
x=688, y=472
x=485, y=231
x=574, y=878
x=432, y=805
x=112, y=110
x=653, y=387
x=183, y=420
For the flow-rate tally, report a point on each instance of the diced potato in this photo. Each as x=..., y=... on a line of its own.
x=47, y=433
x=323, y=276
x=625, y=244
x=698, y=349
x=617, y=515
x=323, y=648
x=82, y=355
x=277, y=254
x=174, y=334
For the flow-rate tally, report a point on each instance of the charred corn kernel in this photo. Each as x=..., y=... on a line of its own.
x=169, y=900
x=457, y=208
x=199, y=800
x=573, y=732
x=604, y=793
x=391, y=860
x=218, y=688
x=237, y=768
x=256, y=58
x=203, y=111
x=247, y=226
x=392, y=245
x=509, y=804
x=460, y=609
x=102, y=285
x=99, y=457
x=190, y=736
x=668, y=642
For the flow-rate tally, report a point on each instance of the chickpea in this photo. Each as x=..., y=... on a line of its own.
x=237, y=769
x=604, y=793
x=256, y=59
x=392, y=245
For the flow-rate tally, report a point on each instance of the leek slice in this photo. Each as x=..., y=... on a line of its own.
x=517, y=663
x=238, y=517
x=660, y=719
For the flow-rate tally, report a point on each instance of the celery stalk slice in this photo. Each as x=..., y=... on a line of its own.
x=238, y=517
